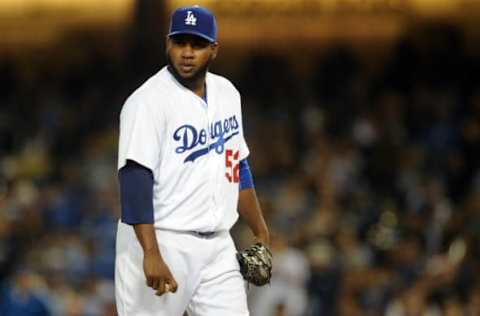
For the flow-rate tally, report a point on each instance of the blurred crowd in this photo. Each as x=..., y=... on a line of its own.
x=369, y=177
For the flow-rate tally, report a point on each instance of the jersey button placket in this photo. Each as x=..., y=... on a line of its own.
x=209, y=141
x=211, y=164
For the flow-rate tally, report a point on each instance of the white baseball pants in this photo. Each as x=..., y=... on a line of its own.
x=205, y=268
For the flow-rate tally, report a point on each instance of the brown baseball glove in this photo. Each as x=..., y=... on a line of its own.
x=256, y=264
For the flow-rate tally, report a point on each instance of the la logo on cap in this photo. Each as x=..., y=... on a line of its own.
x=193, y=20
x=190, y=19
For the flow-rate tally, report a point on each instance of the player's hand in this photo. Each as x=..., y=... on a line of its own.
x=158, y=275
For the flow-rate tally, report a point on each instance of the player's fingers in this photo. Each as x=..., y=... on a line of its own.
x=161, y=288
x=149, y=281
x=173, y=285
x=155, y=283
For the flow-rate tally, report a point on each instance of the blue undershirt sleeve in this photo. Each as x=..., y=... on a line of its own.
x=246, y=179
x=136, y=193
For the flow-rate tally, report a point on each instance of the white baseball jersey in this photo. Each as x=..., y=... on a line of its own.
x=192, y=147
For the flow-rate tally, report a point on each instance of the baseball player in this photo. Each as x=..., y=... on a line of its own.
x=183, y=174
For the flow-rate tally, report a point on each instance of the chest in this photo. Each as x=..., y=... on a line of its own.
x=195, y=128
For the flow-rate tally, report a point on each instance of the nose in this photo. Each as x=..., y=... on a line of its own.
x=187, y=51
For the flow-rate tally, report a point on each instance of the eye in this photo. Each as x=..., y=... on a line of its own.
x=200, y=44
x=179, y=41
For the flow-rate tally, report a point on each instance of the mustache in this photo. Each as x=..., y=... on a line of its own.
x=198, y=74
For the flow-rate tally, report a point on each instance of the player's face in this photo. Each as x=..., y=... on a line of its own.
x=190, y=55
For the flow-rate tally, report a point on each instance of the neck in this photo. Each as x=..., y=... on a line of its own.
x=196, y=84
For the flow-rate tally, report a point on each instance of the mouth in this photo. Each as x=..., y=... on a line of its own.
x=186, y=67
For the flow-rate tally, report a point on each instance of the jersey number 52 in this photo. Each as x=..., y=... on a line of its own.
x=231, y=163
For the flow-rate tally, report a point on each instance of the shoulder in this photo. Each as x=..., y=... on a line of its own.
x=151, y=95
x=224, y=85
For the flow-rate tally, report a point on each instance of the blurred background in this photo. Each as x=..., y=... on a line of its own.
x=362, y=116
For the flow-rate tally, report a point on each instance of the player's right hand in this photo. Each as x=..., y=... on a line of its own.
x=157, y=274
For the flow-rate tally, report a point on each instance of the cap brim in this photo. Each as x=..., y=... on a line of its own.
x=211, y=40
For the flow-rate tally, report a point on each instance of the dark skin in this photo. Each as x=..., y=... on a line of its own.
x=250, y=211
x=157, y=273
x=189, y=57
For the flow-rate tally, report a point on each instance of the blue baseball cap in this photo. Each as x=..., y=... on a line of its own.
x=194, y=20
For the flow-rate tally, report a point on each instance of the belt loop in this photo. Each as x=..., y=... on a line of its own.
x=204, y=234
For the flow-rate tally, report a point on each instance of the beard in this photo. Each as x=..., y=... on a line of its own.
x=188, y=81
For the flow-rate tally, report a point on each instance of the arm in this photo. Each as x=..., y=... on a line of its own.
x=250, y=211
x=136, y=191
x=256, y=261
x=156, y=271
x=248, y=206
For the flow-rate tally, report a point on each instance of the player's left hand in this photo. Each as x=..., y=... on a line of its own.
x=256, y=264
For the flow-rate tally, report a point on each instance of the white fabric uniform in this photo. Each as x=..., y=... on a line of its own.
x=193, y=149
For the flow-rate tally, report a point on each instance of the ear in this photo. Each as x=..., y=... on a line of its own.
x=215, y=47
x=168, y=44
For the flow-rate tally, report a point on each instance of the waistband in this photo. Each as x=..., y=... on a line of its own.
x=200, y=234
x=196, y=233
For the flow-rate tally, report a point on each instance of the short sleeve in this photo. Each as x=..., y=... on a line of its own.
x=244, y=151
x=139, y=135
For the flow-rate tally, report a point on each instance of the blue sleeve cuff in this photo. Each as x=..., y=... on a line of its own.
x=136, y=193
x=246, y=179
